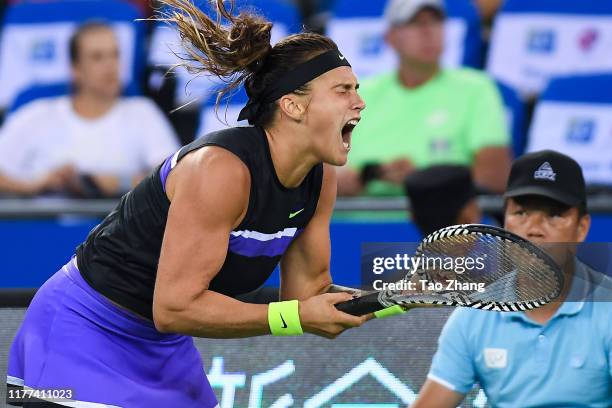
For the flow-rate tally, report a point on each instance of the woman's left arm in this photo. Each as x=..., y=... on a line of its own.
x=305, y=265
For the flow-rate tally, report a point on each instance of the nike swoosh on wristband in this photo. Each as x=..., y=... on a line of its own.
x=284, y=326
x=293, y=214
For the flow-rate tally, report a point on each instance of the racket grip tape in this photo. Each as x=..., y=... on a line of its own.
x=361, y=305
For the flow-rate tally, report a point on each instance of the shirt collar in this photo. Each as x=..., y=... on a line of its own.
x=581, y=287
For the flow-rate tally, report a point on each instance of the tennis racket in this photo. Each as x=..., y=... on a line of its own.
x=516, y=275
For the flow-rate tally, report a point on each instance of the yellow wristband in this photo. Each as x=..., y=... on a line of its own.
x=284, y=318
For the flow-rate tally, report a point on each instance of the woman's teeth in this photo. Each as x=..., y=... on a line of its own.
x=346, y=133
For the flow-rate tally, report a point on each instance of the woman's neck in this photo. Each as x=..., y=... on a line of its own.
x=291, y=161
x=90, y=107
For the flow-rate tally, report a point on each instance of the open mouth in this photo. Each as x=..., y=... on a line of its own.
x=347, y=130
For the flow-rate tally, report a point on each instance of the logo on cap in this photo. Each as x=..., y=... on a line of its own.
x=545, y=172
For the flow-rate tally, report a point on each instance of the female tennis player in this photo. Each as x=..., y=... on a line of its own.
x=113, y=326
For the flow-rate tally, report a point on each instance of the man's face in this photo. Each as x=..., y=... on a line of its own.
x=96, y=70
x=420, y=40
x=555, y=228
x=544, y=221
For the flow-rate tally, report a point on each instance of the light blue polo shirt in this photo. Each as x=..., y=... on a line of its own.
x=519, y=363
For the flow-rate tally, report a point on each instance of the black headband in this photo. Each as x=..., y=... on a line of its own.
x=292, y=80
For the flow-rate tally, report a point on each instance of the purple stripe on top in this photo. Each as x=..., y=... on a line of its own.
x=252, y=247
x=165, y=170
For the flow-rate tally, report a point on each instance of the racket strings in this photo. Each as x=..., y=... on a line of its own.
x=500, y=271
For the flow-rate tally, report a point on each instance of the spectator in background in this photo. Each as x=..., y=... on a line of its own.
x=441, y=196
x=422, y=114
x=557, y=355
x=488, y=9
x=315, y=13
x=93, y=143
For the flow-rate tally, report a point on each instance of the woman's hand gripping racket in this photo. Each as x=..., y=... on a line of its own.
x=513, y=274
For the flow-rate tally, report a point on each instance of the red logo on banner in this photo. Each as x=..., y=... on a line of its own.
x=587, y=39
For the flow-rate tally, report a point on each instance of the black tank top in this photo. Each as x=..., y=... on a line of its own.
x=120, y=256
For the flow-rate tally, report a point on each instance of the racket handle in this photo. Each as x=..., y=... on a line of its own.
x=361, y=306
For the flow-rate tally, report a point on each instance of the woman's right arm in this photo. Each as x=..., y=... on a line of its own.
x=209, y=193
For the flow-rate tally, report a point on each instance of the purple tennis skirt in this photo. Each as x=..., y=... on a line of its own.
x=73, y=338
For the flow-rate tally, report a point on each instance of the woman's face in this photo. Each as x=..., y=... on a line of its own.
x=96, y=70
x=332, y=110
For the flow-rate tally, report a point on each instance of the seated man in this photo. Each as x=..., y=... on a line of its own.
x=423, y=114
x=557, y=355
x=441, y=196
x=93, y=143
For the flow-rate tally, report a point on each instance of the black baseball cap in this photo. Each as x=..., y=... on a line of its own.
x=437, y=194
x=550, y=174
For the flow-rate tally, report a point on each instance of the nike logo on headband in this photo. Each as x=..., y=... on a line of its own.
x=341, y=56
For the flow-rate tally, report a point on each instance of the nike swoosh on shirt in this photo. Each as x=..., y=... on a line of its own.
x=293, y=214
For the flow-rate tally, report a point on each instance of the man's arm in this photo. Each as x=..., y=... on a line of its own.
x=349, y=181
x=109, y=185
x=10, y=185
x=452, y=374
x=158, y=139
x=487, y=137
x=491, y=168
x=20, y=141
x=433, y=394
x=55, y=180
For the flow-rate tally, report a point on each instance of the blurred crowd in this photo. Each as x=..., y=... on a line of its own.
x=454, y=91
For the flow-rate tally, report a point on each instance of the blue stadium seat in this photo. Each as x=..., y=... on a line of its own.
x=535, y=40
x=516, y=117
x=574, y=116
x=51, y=90
x=165, y=42
x=34, y=44
x=227, y=115
x=358, y=27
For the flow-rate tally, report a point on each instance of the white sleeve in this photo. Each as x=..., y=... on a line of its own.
x=157, y=136
x=17, y=140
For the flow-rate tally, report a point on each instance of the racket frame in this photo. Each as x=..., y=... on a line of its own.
x=378, y=300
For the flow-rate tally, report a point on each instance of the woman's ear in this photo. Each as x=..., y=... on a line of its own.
x=293, y=106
